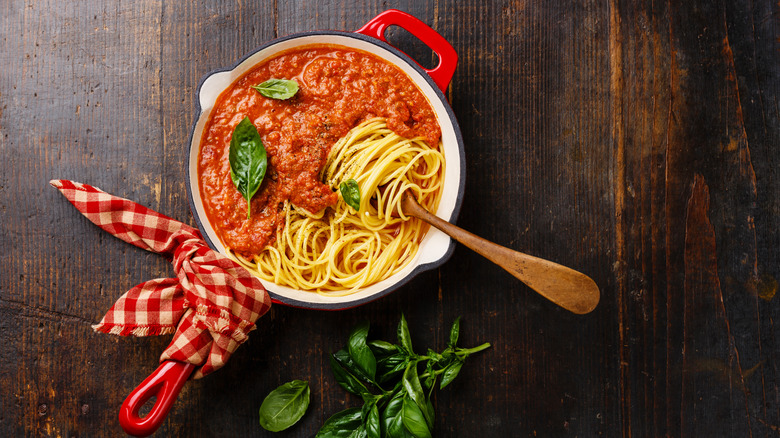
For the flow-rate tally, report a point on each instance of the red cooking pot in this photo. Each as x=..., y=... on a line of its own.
x=166, y=382
x=436, y=246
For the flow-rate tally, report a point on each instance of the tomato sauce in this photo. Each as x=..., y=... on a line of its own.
x=338, y=89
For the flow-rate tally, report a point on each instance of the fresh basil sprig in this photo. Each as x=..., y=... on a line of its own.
x=387, y=376
x=248, y=161
x=280, y=89
x=350, y=191
x=285, y=405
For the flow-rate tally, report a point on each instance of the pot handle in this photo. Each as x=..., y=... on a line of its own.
x=448, y=58
x=164, y=383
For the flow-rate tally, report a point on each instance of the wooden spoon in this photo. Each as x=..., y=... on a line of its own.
x=563, y=286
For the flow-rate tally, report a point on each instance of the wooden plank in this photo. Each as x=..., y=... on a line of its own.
x=75, y=105
x=696, y=329
x=532, y=97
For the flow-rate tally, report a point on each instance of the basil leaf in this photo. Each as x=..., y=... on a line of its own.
x=248, y=160
x=390, y=367
x=411, y=382
x=389, y=362
x=369, y=400
x=371, y=421
x=345, y=424
x=285, y=405
x=280, y=89
x=414, y=420
x=393, y=419
x=404, y=338
x=350, y=191
x=347, y=380
x=428, y=413
x=359, y=351
x=450, y=373
x=382, y=348
x=454, y=332
x=345, y=360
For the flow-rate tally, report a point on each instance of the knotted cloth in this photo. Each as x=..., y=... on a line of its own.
x=211, y=305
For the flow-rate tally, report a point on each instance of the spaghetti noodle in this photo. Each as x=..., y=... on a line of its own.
x=338, y=250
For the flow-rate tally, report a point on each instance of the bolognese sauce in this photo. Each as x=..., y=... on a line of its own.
x=338, y=89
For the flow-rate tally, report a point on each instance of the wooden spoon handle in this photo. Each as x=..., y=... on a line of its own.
x=563, y=286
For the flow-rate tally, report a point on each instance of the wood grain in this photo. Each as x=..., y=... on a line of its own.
x=632, y=140
x=698, y=333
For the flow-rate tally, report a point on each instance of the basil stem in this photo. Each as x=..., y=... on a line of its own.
x=248, y=161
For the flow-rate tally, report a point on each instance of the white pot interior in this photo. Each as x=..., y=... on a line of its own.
x=435, y=244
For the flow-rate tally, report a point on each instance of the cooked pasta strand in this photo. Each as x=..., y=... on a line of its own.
x=339, y=250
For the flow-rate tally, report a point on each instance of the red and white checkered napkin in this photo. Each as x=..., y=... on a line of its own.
x=210, y=307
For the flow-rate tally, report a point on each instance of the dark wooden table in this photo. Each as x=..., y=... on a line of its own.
x=635, y=141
